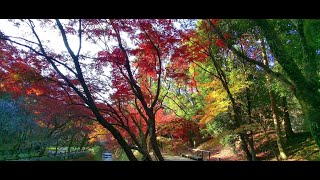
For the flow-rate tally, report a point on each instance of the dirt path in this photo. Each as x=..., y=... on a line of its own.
x=224, y=154
x=175, y=158
x=218, y=154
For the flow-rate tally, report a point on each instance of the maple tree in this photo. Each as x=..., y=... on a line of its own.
x=86, y=96
x=44, y=97
x=154, y=45
x=144, y=82
x=212, y=50
x=162, y=77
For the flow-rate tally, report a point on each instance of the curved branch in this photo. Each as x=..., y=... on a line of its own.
x=49, y=59
x=277, y=75
x=160, y=69
x=65, y=40
x=132, y=82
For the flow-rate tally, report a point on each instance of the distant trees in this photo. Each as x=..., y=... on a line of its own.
x=17, y=126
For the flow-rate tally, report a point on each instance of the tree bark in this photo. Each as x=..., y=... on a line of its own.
x=273, y=107
x=83, y=142
x=244, y=146
x=154, y=142
x=286, y=118
x=277, y=125
x=250, y=135
x=311, y=112
x=141, y=148
x=139, y=95
x=71, y=141
x=56, y=151
x=88, y=99
x=144, y=145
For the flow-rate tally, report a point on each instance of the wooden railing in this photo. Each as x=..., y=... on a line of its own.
x=202, y=153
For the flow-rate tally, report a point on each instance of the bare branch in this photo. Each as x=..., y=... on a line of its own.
x=44, y=54
x=65, y=40
x=65, y=65
x=23, y=39
x=89, y=99
x=80, y=38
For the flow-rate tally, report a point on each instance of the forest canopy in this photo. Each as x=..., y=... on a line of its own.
x=144, y=89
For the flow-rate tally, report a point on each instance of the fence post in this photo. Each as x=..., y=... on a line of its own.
x=107, y=156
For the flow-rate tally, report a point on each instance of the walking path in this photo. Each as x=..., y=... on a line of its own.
x=218, y=154
x=175, y=158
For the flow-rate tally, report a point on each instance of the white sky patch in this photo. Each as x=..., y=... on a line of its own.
x=52, y=39
x=177, y=25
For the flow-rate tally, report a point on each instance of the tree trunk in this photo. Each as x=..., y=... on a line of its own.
x=273, y=105
x=237, y=115
x=123, y=143
x=286, y=118
x=144, y=145
x=154, y=142
x=149, y=144
x=250, y=135
x=70, y=143
x=116, y=134
x=55, y=153
x=277, y=125
x=314, y=116
x=143, y=149
x=251, y=156
x=244, y=146
x=251, y=145
x=145, y=154
x=269, y=139
x=83, y=142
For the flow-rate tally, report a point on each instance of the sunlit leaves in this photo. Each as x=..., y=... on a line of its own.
x=217, y=102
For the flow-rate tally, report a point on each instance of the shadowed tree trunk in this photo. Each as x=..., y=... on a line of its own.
x=153, y=140
x=56, y=151
x=85, y=138
x=286, y=118
x=71, y=141
x=277, y=125
x=273, y=107
x=250, y=135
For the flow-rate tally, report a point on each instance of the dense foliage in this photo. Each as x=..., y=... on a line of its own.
x=187, y=80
